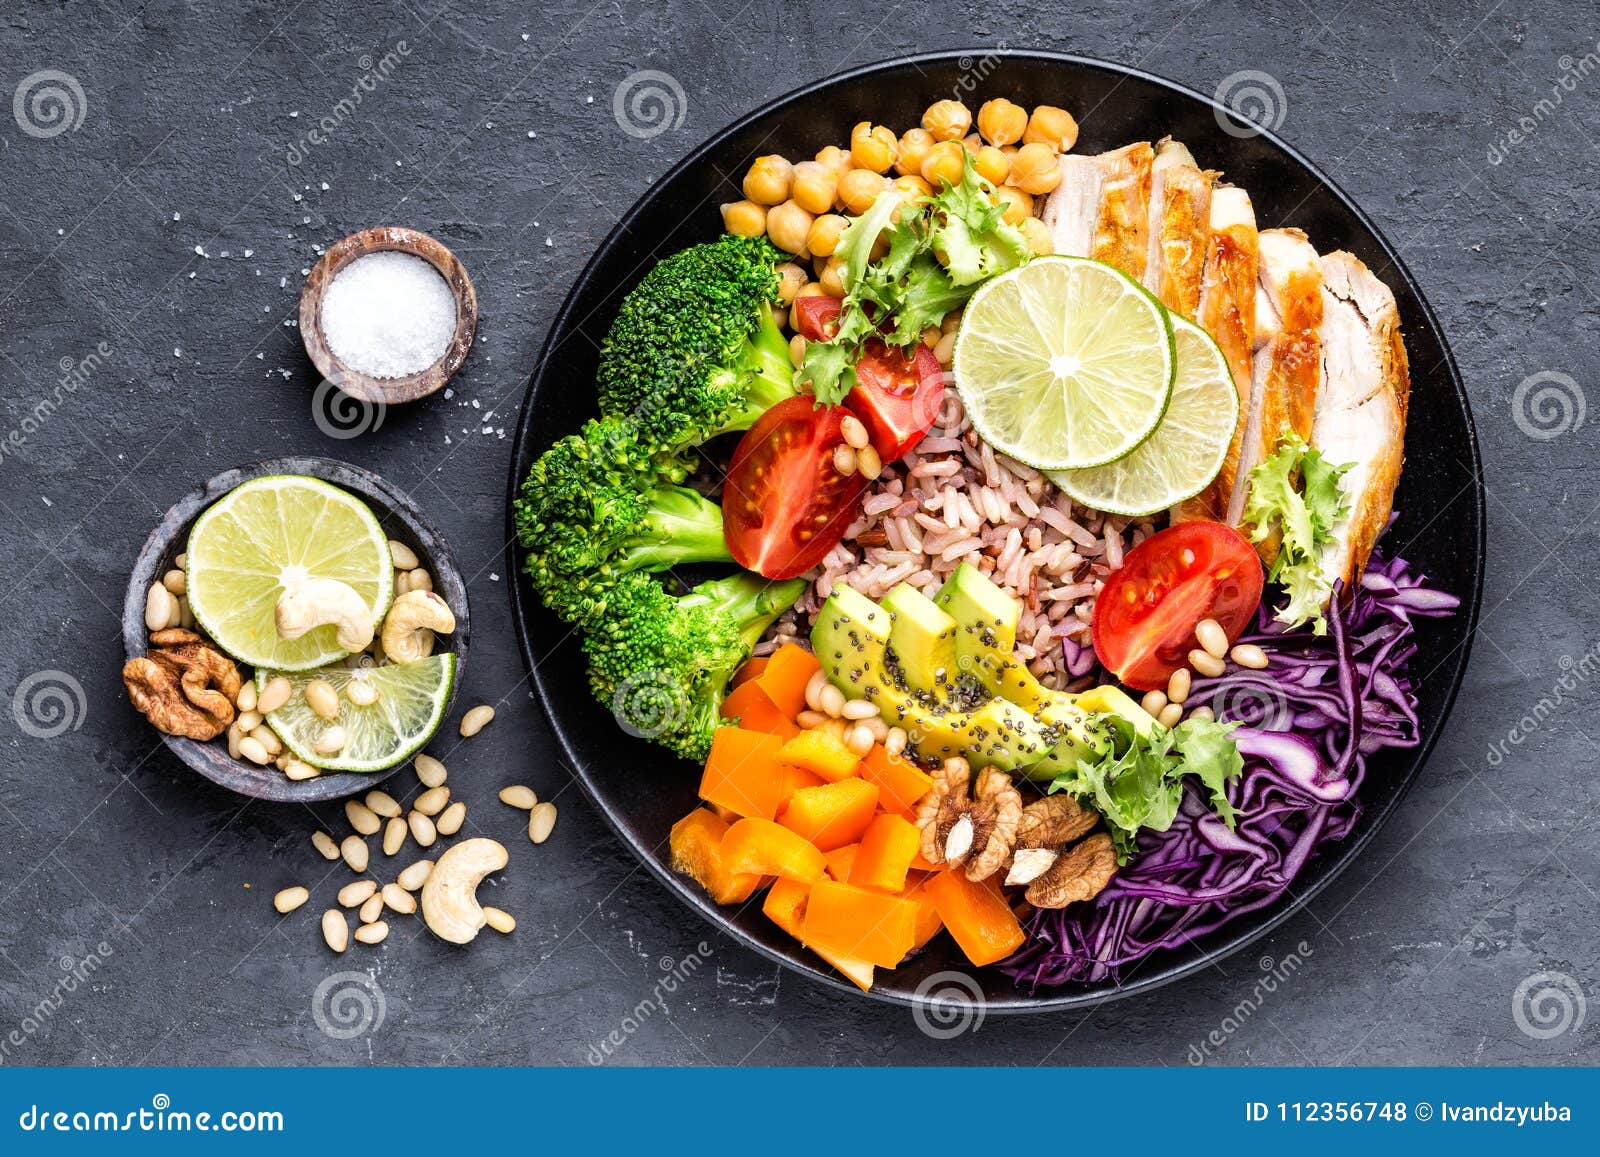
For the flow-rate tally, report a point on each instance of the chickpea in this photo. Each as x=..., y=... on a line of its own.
x=811, y=289
x=780, y=318
x=1051, y=126
x=873, y=148
x=931, y=336
x=767, y=182
x=913, y=147
x=1018, y=205
x=832, y=276
x=945, y=164
x=814, y=186
x=859, y=188
x=947, y=120
x=992, y=165
x=787, y=226
x=744, y=218
x=790, y=278
x=797, y=350
x=824, y=236
x=1035, y=169
x=836, y=159
x=1037, y=233
x=913, y=187
x=951, y=322
x=1002, y=122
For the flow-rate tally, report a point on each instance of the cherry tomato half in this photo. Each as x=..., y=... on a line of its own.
x=897, y=397
x=784, y=505
x=816, y=318
x=1145, y=616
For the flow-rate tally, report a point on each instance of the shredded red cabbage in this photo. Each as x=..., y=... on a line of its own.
x=1323, y=704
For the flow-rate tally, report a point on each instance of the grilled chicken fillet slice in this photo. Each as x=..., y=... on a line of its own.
x=1101, y=207
x=1180, y=209
x=1361, y=408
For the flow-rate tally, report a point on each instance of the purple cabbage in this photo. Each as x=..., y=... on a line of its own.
x=1308, y=723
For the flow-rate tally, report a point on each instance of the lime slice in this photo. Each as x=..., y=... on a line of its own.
x=1184, y=454
x=1064, y=363
x=257, y=539
x=411, y=698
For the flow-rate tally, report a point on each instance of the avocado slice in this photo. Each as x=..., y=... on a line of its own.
x=923, y=640
x=998, y=734
x=848, y=638
x=1081, y=733
x=986, y=638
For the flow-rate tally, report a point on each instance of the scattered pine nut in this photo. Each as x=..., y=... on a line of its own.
x=399, y=900
x=1205, y=662
x=1249, y=655
x=859, y=709
x=384, y=804
x=325, y=846
x=415, y=875
x=810, y=719
x=476, y=720
x=869, y=463
x=1154, y=702
x=1211, y=637
x=321, y=697
x=844, y=460
x=855, y=436
x=896, y=741
x=451, y=819
x=541, y=821
x=403, y=557
x=298, y=769
x=335, y=930
x=252, y=749
x=814, y=686
x=247, y=720
x=832, y=700
x=432, y=801
x=1170, y=715
x=372, y=933
x=274, y=695
x=355, y=853
x=246, y=699
x=519, y=796
x=290, y=898
x=423, y=829
x=356, y=893
x=330, y=741
x=361, y=817
x=876, y=725
x=500, y=920
x=1178, y=685
x=394, y=835
x=430, y=772
x=1202, y=712
x=361, y=692
x=372, y=909
x=268, y=739
x=859, y=739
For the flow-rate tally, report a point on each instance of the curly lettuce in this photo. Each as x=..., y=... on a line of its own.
x=1295, y=493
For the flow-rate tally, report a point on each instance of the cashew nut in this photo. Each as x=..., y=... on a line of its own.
x=326, y=602
x=449, y=898
x=409, y=626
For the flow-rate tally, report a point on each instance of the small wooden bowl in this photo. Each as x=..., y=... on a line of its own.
x=387, y=390
x=400, y=519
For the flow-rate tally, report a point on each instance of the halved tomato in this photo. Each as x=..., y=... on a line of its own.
x=784, y=505
x=816, y=318
x=897, y=396
x=1145, y=616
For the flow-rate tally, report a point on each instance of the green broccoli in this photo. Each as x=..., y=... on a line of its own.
x=695, y=351
x=662, y=662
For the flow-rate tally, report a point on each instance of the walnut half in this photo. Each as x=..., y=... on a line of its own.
x=183, y=686
x=1080, y=873
x=963, y=827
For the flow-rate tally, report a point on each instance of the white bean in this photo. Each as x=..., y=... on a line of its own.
x=859, y=709
x=1178, y=685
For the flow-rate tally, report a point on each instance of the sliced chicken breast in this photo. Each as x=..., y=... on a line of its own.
x=1360, y=415
x=1101, y=207
x=1180, y=225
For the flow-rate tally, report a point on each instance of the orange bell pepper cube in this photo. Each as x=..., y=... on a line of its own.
x=785, y=676
x=928, y=922
x=840, y=861
x=901, y=783
x=748, y=672
x=977, y=915
x=887, y=849
x=743, y=773
x=785, y=906
x=832, y=815
x=860, y=923
x=823, y=753
x=768, y=849
x=753, y=710
x=695, y=844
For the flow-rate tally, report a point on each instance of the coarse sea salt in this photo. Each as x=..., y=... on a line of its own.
x=388, y=314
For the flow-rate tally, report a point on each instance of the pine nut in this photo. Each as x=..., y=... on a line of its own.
x=372, y=909
x=419, y=580
x=297, y=769
x=432, y=801
x=355, y=853
x=541, y=820
x=399, y=900
x=362, y=818
x=290, y=898
x=176, y=582
x=423, y=829
x=1178, y=685
x=879, y=729
x=500, y=920
x=896, y=741
x=268, y=739
x=250, y=747
x=859, y=709
x=335, y=930
x=858, y=739
x=832, y=700
x=810, y=719
x=518, y=796
x=855, y=434
x=869, y=464
x=1170, y=715
x=394, y=835
x=234, y=736
x=415, y=875
x=1249, y=655
x=274, y=695
x=1210, y=635
x=322, y=698
x=1202, y=712
x=402, y=582
x=182, y=561
x=325, y=846
x=814, y=687
x=373, y=933
x=945, y=351
x=330, y=741
x=1205, y=662
x=246, y=699
x=281, y=762
x=361, y=692
x=476, y=720
x=356, y=893
x=384, y=804
x=1153, y=702
x=159, y=607
x=451, y=819
x=403, y=557
x=429, y=770
x=844, y=460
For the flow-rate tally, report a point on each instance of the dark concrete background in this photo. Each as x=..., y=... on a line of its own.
x=173, y=225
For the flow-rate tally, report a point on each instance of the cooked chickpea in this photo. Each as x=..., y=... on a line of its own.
x=814, y=186
x=836, y=159
x=913, y=187
x=744, y=218
x=1037, y=233
x=797, y=349
x=1035, y=169
x=1018, y=205
x=767, y=182
x=1051, y=126
x=947, y=120
x=790, y=278
x=944, y=164
x=824, y=236
x=931, y=336
x=780, y=318
x=992, y=165
x=811, y=289
x=832, y=276
x=913, y=147
x=1002, y=122
x=859, y=188
x=873, y=147
x=787, y=226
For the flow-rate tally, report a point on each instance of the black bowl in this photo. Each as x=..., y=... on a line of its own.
x=401, y=520
x=642, y=790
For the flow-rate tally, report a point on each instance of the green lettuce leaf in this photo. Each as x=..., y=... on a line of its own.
x=1295, y=492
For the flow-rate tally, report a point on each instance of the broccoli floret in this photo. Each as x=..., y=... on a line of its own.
x=661, y=662
x=695, y=351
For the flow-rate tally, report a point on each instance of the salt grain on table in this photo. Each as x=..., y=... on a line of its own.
x=388, y=314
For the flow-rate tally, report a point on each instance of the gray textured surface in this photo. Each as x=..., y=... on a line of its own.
x=1486, y=877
